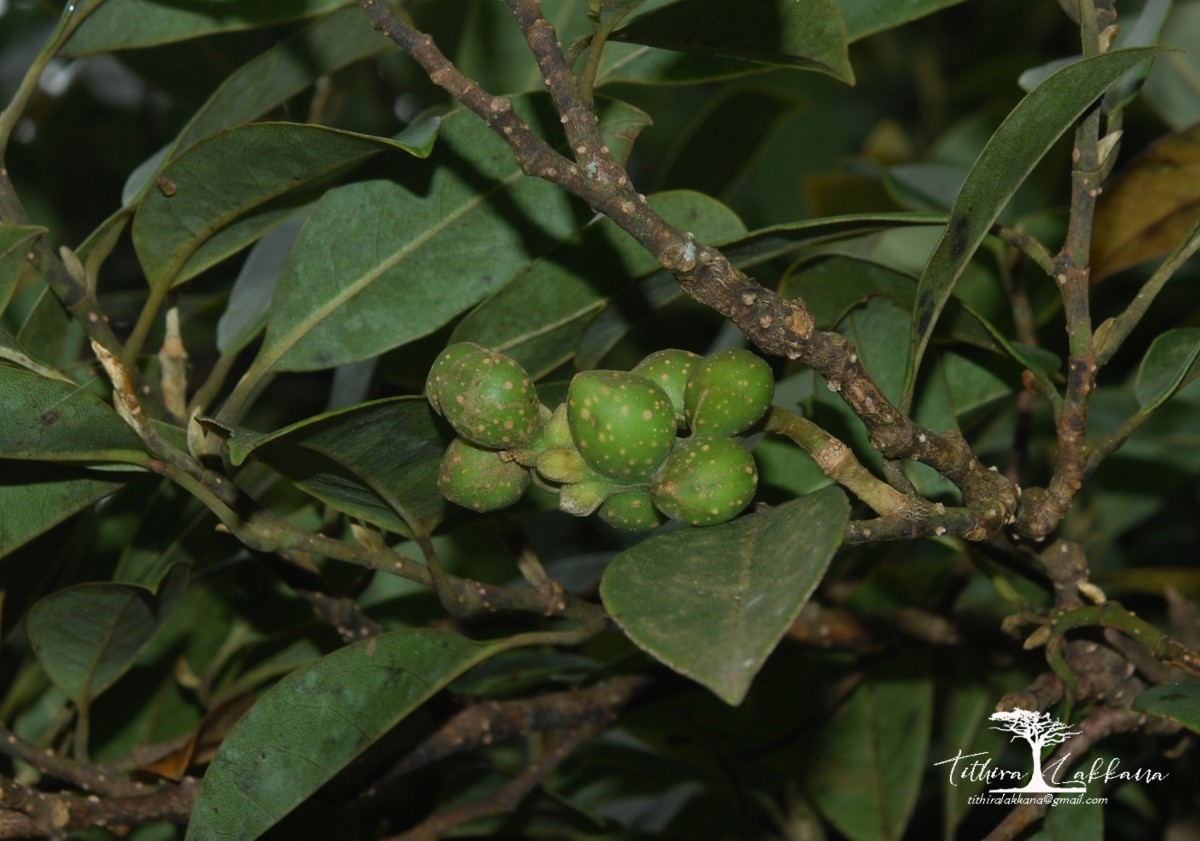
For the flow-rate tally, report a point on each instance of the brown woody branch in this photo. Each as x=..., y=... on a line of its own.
x=28, y=813
x=779, y=327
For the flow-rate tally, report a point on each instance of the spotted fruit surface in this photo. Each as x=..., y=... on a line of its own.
x=728, y=392
x=490, y=400
x=631, y=511
x=622, y=424
x=669, y=370
x=706, y=480
x=479, y=478
x=436, y=380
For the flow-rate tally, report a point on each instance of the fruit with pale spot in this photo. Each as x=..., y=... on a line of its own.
x=480, y=479
x=706, y=480
x=728, y=392
x=622, y=424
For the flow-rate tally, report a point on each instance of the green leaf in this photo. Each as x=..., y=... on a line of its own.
x=1166, y=366
x=129, y=24
x=865, y=769
x=316, y=720
x=865, y=17
x=640, y=65
x=723, y=143
x=434, y=244
x=265, y=172
x=88, y=635
x=14, y=245
x=832, y=286
x=712, y=603
x=11, y=351
x=539, y=318
x=1072, y=822
x=51, y=420
x=245, y=314
x=377, y=461
x=36, y=497
x=268, y=80
x=807, y=34
x=1178, y=701
x=1024, y=137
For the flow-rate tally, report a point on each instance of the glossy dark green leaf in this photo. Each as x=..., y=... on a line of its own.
x=712, y=603
x=808, y=34
x=1178, y=701
x=129, y=24
x=269, y=79
x=725, y=140
x=245, y=315
x=89, y=635
x=14, y=245
x=540, y=316
x=35, y=497
x=866, y=766
x=865, y=17
x=51, y=420
x=316, y=720
x=1072, y=822
x=434, y=244
x=265, y=172
x=832, y=286
x=641, y=65
x=1024, y=137
x=377, y=461
x=1167, y=366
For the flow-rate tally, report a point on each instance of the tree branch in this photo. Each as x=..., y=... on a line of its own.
x=780, y=327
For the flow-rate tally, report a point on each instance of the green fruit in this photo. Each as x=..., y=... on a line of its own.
x=622, y=424
x=583, y=498
x=631, y=511
x=728, y=393
x=669, y=370
x=564, y=465
x=706, y=480
x=436, y=380
x=489, y=400
x=480, y=479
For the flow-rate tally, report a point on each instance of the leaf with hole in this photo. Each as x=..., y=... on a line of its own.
x=377, y=461
x=316, y=720
x=266, y=172
x=1024, y=137
x=712, y=603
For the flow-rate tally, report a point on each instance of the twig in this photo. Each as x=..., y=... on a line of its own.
x=29, y=813
x=488, y=722
x=779, y=327
x=80, y=774
x=507, y=797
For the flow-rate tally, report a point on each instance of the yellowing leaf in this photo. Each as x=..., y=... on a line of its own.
x=1150, y=208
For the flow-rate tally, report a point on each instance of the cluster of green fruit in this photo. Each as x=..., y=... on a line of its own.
x=633, y=446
